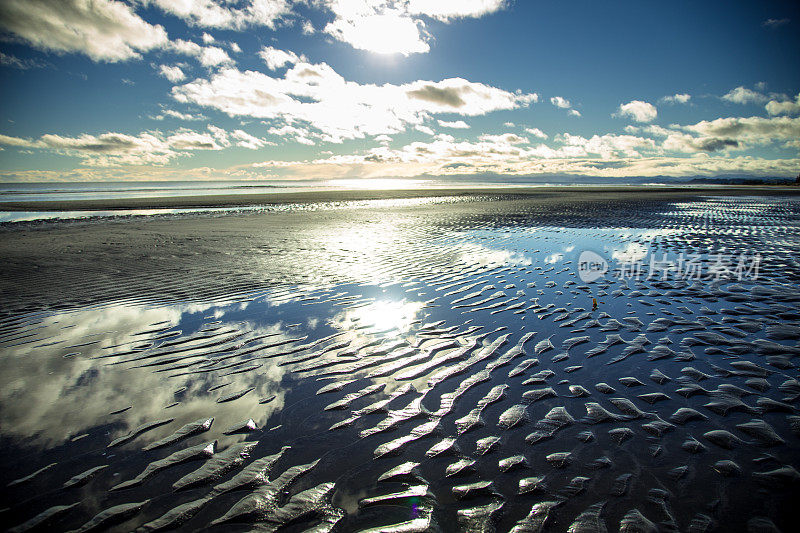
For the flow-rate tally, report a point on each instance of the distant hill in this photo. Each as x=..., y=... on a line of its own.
x=572, y=179
x=743, y=181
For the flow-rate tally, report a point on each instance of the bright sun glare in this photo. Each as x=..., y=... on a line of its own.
x=387, y=315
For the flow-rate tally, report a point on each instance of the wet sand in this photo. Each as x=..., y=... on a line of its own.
x=51, y=264
x=409, y=366
x=576, y=193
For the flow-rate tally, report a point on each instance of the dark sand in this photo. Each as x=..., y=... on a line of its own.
x=52, y=264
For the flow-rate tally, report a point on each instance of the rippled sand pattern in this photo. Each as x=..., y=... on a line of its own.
x=412, y=371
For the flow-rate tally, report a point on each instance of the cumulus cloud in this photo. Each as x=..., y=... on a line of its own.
x=224, y=14
x=187, y=48
x=299, y=135
x=678, y=98
x=638, y=110
x=536, y=132
x=316, y=99
x=683, y=142
x=743, y=95
x=609, y=145
x=457, y=124
x=397, y=26
x=212, y=56
x=446, y=10
x=208, y=56
x=605, y=155
x=172, y=73
x=750, y=130
x=275, y=58
x=504, y=139
x=245, y=140
x=561, y=102
x=177, y=114
x=104, y=30
x=784, y=106
x=574, y=112
x=387, y=32
x=116, y=149
x=461, y=96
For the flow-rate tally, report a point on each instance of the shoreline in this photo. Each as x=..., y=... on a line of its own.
x=248, y=200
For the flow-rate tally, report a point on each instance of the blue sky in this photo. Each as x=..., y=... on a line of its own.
x=311, y=89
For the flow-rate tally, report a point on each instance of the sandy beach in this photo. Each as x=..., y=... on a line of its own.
x=58, y=264
x=366, y=351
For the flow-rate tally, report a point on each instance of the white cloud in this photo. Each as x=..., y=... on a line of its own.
x=208, y=56
x=388, y=32
x=245, y=140
x=275, y=58
x=208, y=38
x=104, y=30
x=638, y=110
x=686, y=143
x=677, y=99
x=7, y=60
x=332, y=109
x=452, y=9
x=775, y=23
x=220, y=135
x=177, y=114
x=457, y=124
x=727, y=134
x=750, y=131
x=784, y=107
x=192, y=140
x=504, y=139
x=509, y=124
x=308, y=28
x=650, y=129
x=743, y=95
x=536, y=132
x=221, y=14
x=396, y=26
x=117, y=149
x=562, y=103
x=172, y=73
x=16, y=141
x=424, y=129
x=609, y=145
x=187, y=48
x=299, y=135
x=442, y=158
x=212, y=56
